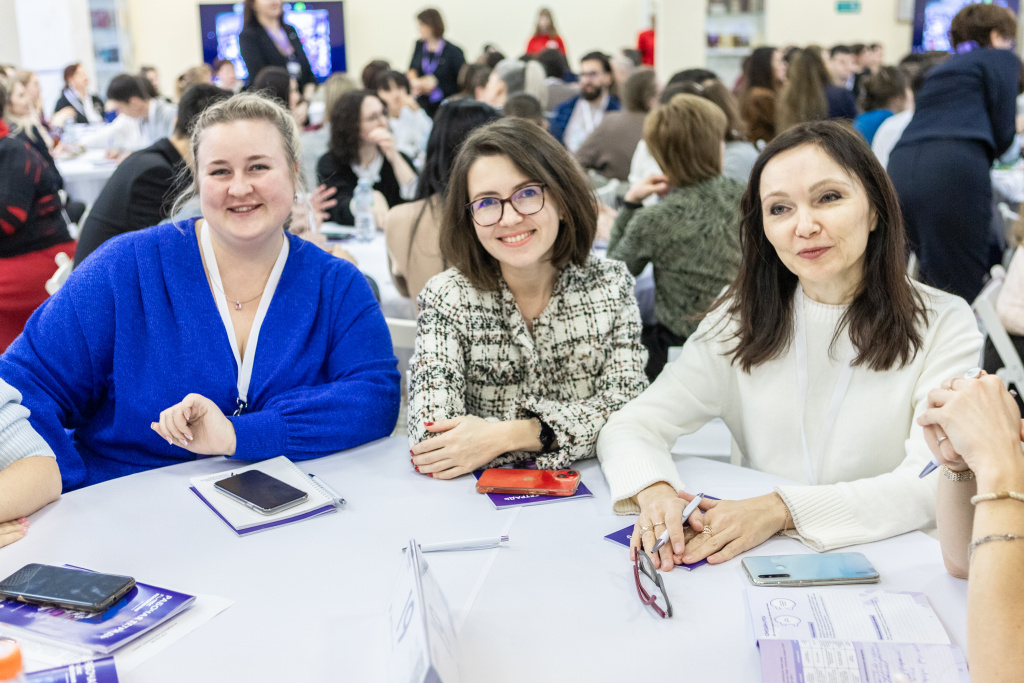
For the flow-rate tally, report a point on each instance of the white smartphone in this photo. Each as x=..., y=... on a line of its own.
x=825, y=569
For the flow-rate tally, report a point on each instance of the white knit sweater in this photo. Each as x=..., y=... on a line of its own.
x=868, y=486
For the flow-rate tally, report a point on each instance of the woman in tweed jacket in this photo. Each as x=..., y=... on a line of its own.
x=528, y=343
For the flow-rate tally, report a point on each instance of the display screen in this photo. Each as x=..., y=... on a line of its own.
x=320, y=26
x=262, y=490
x=932, y=19
x=62, y=585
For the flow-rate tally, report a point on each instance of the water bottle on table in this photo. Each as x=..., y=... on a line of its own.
x=366, y=225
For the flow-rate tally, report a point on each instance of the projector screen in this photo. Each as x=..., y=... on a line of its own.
x=320, y=25
x=932, y=19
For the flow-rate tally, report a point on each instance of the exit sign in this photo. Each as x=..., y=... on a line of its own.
x=848, y=7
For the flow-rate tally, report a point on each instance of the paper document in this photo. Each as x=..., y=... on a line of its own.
x=827, y=661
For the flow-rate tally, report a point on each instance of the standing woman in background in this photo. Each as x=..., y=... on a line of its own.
x=803, y=97
x=88, y=108
x=545, y=35
x=32, y=230
x=763, y=78
x=434, y=69
x=266, y=40
x=964, y=118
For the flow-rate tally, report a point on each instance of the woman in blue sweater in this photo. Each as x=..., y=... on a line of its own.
x=964, y=118
x=149, y=351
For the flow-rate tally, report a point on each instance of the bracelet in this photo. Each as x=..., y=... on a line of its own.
x=632, y=206
x=953, y=475
x=785, y=523
x=988, y=539
x=998, y=495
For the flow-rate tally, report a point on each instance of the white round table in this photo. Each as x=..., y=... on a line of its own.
x=85, y=175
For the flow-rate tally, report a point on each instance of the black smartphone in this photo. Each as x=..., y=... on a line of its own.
x=73, y=589
x=261, y=492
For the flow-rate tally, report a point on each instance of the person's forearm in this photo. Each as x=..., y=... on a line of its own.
x=954, y=516
x=27, y=485
x=403, y=172
x=995, y=598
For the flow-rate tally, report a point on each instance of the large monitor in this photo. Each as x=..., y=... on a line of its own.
x=932, y=19
x=320, y=25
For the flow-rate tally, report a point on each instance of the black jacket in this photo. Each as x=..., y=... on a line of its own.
x=258, y=50
x=447, y=73
x=97, y=104
x=137, y=195
x=342, y=177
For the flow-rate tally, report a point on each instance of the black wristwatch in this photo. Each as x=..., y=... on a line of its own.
x=547, y=436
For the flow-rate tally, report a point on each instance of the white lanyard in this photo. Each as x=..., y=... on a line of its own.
x=838, y=394
x=590, y=120
x=244, y=366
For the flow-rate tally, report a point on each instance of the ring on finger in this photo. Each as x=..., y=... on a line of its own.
x=707, y=530
x=659, y=524
x=941, y=439
x=645, y=529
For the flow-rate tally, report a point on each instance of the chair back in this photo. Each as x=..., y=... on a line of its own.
x=984, y=306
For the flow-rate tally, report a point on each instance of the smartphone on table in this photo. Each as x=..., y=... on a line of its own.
x=65, y=587
x=826, y=569
x=529, y=482
x=261, y=492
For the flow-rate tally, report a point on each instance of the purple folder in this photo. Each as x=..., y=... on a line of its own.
x=510, y=500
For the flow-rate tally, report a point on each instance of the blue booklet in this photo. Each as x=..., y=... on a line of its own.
x=91, y=671
x=143, y=609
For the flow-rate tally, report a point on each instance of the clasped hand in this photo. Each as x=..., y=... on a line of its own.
x=459, y=445
x=197, y=425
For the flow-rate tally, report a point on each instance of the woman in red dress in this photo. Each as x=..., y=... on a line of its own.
x=545, y=35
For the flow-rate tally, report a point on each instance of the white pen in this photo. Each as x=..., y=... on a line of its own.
x=336, y=499
x=469, y=544
x=663, y=539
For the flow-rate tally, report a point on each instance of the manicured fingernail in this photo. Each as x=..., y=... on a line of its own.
x=170, y=442
x=183, y=442
x=188, y=435
x=428, y=424
x=430, y=474
x=416, y=468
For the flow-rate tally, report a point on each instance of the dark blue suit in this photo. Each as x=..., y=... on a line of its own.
x=563, y=112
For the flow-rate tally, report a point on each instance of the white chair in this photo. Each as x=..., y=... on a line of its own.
x=64, y=265
x=1012, y=371
x=403, y=339
x=403, y=332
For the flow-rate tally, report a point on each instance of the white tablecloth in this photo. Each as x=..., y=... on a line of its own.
x=85, y=175
x=558, y=604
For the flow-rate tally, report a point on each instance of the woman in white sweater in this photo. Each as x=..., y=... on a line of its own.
x=818, y=357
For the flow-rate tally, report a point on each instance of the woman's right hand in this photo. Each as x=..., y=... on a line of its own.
x=13, y=531
x=652, y=184
x=660, y=506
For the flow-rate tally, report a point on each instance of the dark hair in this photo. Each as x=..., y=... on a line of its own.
x=716, y=92
x=638, y=91
x=859, y=48
x=432, y=18
x=606, y=64
x=492, y=58
x=633, y=55
x=273, y=82
x=882, y=316
x=123, y=87
x=758, y=72
x=372, y=70
x=671, y=91
x=249, y=14
x=693, y=76
x=69, y=73
x=219, y=63
x=916, y=66
x=840, y=50
x=471, y=77
x=193, y=102
x=144, y=70
x=453, y=123
x=345, y=119
x=3, y=97
x=551, y=21
x=881, y=88
x=391, y=79
x=148, y=86
x=524, y=106
x=976, y=22
x=540, y=158
x=553, y=62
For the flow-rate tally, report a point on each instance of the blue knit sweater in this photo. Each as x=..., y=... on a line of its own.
x=135, y=328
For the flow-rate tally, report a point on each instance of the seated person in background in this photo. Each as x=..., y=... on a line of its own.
x=141, y=120
x=555, y=67
x=973, y=427
x=740, y=153
x=525, y=106
x=472, y=82
x=224, y=75
x=692, y=235
x=413, y=230
x=149, y=350
x=576, y=118
x=88, y=108
x=275, y=82
x=763, y=77
x=29, y=477
x=371, y=71
x=818, y=357
x=362, y=147
x=511, y=77
x=883, y=94
x=315, y=142
x=609, y=149
x=193, y=76
x=32, y=230
x=528, y=342
x=1010, y=307
x=23, y=118
x=142, y=188
x=408, y=122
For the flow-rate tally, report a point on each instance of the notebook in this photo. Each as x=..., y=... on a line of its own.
x=244, y=521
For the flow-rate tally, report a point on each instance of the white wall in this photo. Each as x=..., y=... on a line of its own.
x=799, y=22
x=10, y=46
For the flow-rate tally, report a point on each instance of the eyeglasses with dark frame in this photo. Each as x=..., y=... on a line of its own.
x=490, y=210
x=642, y=564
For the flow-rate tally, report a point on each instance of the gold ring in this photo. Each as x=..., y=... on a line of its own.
x=645, y=529
x=708, y=531
x=659, y=524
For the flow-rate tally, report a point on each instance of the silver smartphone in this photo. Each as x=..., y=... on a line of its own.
x=261, y=492
x=825, y=569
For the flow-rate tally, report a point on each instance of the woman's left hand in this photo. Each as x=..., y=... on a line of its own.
x=461, y=445
x=13, y=531
x=197, y=425
x=385, y=141
x=322, y=200
x=731, y=527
